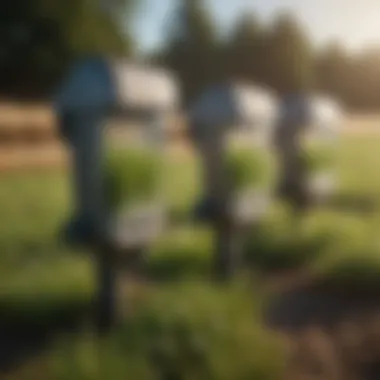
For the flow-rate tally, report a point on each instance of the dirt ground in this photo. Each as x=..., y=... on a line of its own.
x=332, y=334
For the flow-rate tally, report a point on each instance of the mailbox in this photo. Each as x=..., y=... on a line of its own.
x=306, y=143
x=320, y=146
x=230, y=125
x=112, y=113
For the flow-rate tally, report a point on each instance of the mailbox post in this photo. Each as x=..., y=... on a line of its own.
x=97, y=95
x=305, y=140
x=225, y=120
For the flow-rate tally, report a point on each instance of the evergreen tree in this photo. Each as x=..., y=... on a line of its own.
x=244, y=53
x=288, y=56
x=332, y=69
x=41, y=37
x=192, y=50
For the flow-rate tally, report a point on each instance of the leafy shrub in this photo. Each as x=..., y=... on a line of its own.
x=353, y=260
x=248, y=168
x=131, y=175
x=354, y=273
x=192, y=332
x=183, y=253
x=318, y=157
x=181, y=185
x=46, y=292
x=282, y=245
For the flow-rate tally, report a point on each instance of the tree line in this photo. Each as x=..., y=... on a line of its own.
x=40, y=38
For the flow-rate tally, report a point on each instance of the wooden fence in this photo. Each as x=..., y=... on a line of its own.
x=29, y=138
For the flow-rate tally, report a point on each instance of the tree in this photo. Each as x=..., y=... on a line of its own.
x=41, y=37
x=288, y=55
x=244, y=52
x=192, y=50
x=368, y=69
x=333, y=69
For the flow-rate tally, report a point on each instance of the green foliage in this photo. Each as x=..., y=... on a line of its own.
x=318, y=158
x=248, y=167
x=48, y=292
x=354, y=273
x=245, y=50
x=281, y=243
x=131, y=175
x=332, y=69
x=42, y=37
x=352, y=257
x=185, y=253
x=41, y=282
x=192, y=49
x=195, y=331
x=181, y=185
x=289, y=57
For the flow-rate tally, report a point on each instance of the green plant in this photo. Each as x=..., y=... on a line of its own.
x=318, y=157
x=184, y=253
x=131, y=175
x=46, y=291
x=248, y=167
x=195, y=331
x=282, y=244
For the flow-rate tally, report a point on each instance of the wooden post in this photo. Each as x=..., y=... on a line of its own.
x=105, y=305
x=227, y=247
x=293, y=177
x=95, y=88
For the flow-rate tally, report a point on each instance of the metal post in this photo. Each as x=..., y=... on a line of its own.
x=106, y=294
x=293, y=175
x=228, y=249
x=217, y=189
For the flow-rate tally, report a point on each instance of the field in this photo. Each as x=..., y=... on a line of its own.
x=316, y=279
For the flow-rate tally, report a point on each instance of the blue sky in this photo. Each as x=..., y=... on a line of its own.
x=354, y=22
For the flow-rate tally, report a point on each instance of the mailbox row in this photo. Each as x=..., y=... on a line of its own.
x=232, y=125
x=236, y=129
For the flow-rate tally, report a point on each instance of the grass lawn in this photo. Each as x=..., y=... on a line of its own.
x=40, y=279
x=34, y=263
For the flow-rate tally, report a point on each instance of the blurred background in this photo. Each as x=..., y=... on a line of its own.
x=306, y=303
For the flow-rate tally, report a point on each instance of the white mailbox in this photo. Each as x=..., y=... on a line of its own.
x=231, y=124
x=112, y=113
x=306, y=139
x=320, y=146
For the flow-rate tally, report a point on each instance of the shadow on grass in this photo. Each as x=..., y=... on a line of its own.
x=180, y=261
x=320, y=303
x=269, y=251
x=337, y=289
x=360, y=203
x=29, y=326
x=170, y=269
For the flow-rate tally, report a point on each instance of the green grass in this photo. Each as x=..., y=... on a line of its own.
x=319, y=157
x=249, y=168
x=328, y=239
x=131, y=175
x=41, y=279
x=192, y=331
x=185, y=253
x=34, y=207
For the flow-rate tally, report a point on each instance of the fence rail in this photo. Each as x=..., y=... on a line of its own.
x=29, y=139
